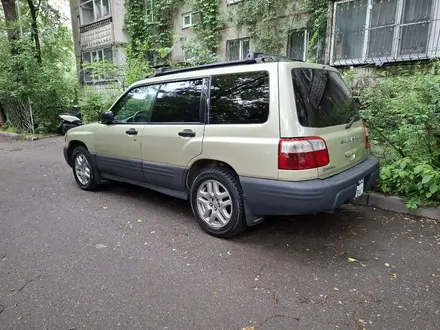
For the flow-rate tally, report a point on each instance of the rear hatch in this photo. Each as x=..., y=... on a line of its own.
x=326, y=109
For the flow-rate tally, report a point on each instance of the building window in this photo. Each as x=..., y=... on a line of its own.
x=93, y=10
x=190, y=19
x=237, y=49
x=149, y=12
x=385, y=30
x=100, y=55
x=297, y=45
x=299, y=48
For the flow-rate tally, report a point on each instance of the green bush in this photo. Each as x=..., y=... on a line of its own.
x=419, y=183
x=402, y=113
x=93, y=102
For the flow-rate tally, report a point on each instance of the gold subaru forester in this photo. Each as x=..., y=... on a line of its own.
x=240, y=140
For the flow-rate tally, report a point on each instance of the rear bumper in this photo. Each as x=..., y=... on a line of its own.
x=274, y=197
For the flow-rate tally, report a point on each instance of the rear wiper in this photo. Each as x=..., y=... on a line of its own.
x=351, y=120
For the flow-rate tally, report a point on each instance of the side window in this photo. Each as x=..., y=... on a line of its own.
x=240, y=98
x=178, y=102
x=136, y=105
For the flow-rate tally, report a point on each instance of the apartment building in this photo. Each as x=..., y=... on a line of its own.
x=359, y=32
x=98, y=29
x=98, y=33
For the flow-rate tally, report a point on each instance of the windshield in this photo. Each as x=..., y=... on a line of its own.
x=322, y=98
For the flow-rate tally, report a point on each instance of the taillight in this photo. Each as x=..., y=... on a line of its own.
x=302, y=153
x=367, y=138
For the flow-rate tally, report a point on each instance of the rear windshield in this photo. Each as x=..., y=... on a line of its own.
x=322, y=98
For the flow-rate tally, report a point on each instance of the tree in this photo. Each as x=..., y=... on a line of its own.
x=34, y=9
x=10, y=13
x=11, y=19
x=2, y=115
x=29, y=97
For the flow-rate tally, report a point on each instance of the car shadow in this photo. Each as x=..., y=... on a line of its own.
x=346, y=233
x=157, y=199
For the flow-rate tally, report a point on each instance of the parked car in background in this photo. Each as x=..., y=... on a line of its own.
x=69, y=120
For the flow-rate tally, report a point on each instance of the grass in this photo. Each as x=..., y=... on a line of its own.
x=20, y=135
x=9, y=129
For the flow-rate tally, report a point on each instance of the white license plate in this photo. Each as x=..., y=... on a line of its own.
x=359, y=188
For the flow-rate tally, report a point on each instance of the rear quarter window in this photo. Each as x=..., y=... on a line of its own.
x=178, y=102
x=239, y=98
x=322, y=99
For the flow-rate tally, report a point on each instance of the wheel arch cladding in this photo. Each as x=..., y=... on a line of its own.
x=206, y=163
x=72, y=146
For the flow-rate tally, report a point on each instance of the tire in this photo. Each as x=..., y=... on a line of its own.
x=63, y=129
x=210, y=184
x=83, y=156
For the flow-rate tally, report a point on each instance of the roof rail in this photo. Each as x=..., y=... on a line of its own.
x=251, y=58
x=263, y=58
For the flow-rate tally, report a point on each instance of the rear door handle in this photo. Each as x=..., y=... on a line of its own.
x=131, y=131
x=187, y=133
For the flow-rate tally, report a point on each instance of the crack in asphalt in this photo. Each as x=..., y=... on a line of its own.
x=31, y=280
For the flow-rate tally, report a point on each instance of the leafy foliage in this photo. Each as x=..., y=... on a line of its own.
x=136, y=67
x=94, y=102
x=32, y=93
x=260, y=18
x=148, y=25
x=208, y=28
x=197, y=53
x=418, y=182
x=269, y=27
x=402, y=112
x=149, y=28
x=317, y=25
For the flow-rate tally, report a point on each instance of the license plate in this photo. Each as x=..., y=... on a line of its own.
x=359, y=188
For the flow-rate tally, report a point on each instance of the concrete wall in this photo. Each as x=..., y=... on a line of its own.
x=74, y=13
x=179, y=33
x=118, y=14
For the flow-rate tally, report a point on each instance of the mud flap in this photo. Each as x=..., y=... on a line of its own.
x=95, y=166
x=251, y=219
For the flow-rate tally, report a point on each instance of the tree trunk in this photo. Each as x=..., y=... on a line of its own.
x=2, y=116
x=10, y=12
x=34, y=32
x=11, y=19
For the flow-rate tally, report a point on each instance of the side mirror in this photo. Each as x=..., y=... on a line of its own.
x=107, y=117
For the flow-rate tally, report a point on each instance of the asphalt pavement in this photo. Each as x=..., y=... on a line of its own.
x=129, y=258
